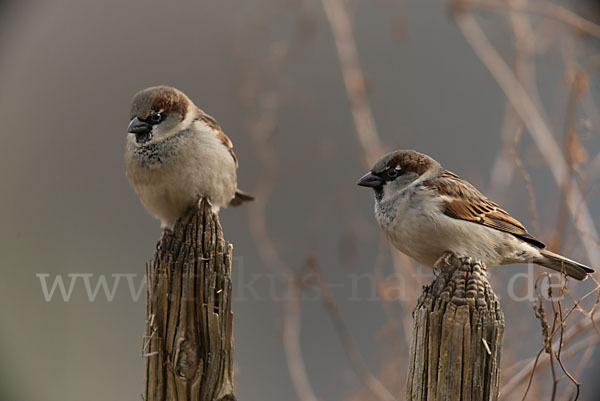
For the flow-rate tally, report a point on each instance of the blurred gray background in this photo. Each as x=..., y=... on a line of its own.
x=68, y=70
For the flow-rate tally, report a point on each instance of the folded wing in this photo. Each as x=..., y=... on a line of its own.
x=463, y=201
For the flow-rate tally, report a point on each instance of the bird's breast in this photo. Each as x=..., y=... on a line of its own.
x=410, y=225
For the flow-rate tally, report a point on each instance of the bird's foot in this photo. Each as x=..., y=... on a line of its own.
x=442, y=262
x=215, y=209
x=205, y=198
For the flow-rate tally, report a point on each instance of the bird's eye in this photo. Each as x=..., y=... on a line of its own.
x=392, y=173
x=155, y=118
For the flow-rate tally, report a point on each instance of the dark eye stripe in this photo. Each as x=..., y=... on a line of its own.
x=155, y=118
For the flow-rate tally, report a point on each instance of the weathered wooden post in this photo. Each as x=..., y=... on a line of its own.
x=457, y=337
x=189, y=335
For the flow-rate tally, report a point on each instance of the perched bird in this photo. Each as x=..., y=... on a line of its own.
x=176, y=154
x=428, y=212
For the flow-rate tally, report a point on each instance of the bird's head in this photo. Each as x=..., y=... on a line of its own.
x=157, y=113
x=395, y=171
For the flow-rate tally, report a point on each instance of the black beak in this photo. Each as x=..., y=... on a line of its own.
x=138, y=127
x=370, y=180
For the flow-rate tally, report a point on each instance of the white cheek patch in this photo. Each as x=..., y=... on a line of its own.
x=394, y=187
x=390, y=189
x=188, y=120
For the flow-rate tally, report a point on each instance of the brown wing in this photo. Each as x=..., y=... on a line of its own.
x=211, y=122
x=463, y=201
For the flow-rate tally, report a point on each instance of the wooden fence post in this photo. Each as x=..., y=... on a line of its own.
x=457, y=337
x=189, y=332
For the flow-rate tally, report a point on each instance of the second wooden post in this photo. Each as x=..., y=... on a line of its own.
x=457, y=337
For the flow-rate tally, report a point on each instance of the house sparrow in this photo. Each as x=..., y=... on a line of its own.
x=428, y=212
x=176, y=154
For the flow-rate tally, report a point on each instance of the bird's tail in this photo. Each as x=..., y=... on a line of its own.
x=240, y=197
x=562, y=264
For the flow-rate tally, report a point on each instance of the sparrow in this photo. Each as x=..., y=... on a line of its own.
x=176, y=154
x=428, y=212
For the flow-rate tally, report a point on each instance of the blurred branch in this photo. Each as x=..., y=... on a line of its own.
x=368, y=380
x=291, y=344
x=354, y=81
x=512, y=128
x=524, y=45
x=367, y=136
x=536, y=125
x=572, y=151
x=588, y=344
x=262, y=128
x=545, y=9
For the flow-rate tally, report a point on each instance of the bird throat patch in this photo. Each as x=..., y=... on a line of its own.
x=143, y=137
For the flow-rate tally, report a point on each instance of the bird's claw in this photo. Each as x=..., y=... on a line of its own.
x=206, y=199
x=165, y=233
x=442, y=262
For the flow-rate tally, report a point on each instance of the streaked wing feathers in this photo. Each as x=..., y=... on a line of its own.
x=211, y=122
x=463, y=201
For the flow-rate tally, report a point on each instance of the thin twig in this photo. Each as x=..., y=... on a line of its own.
x=577, y=328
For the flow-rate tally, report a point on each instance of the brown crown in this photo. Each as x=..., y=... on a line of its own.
x=159, y=99
x=407, y=160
